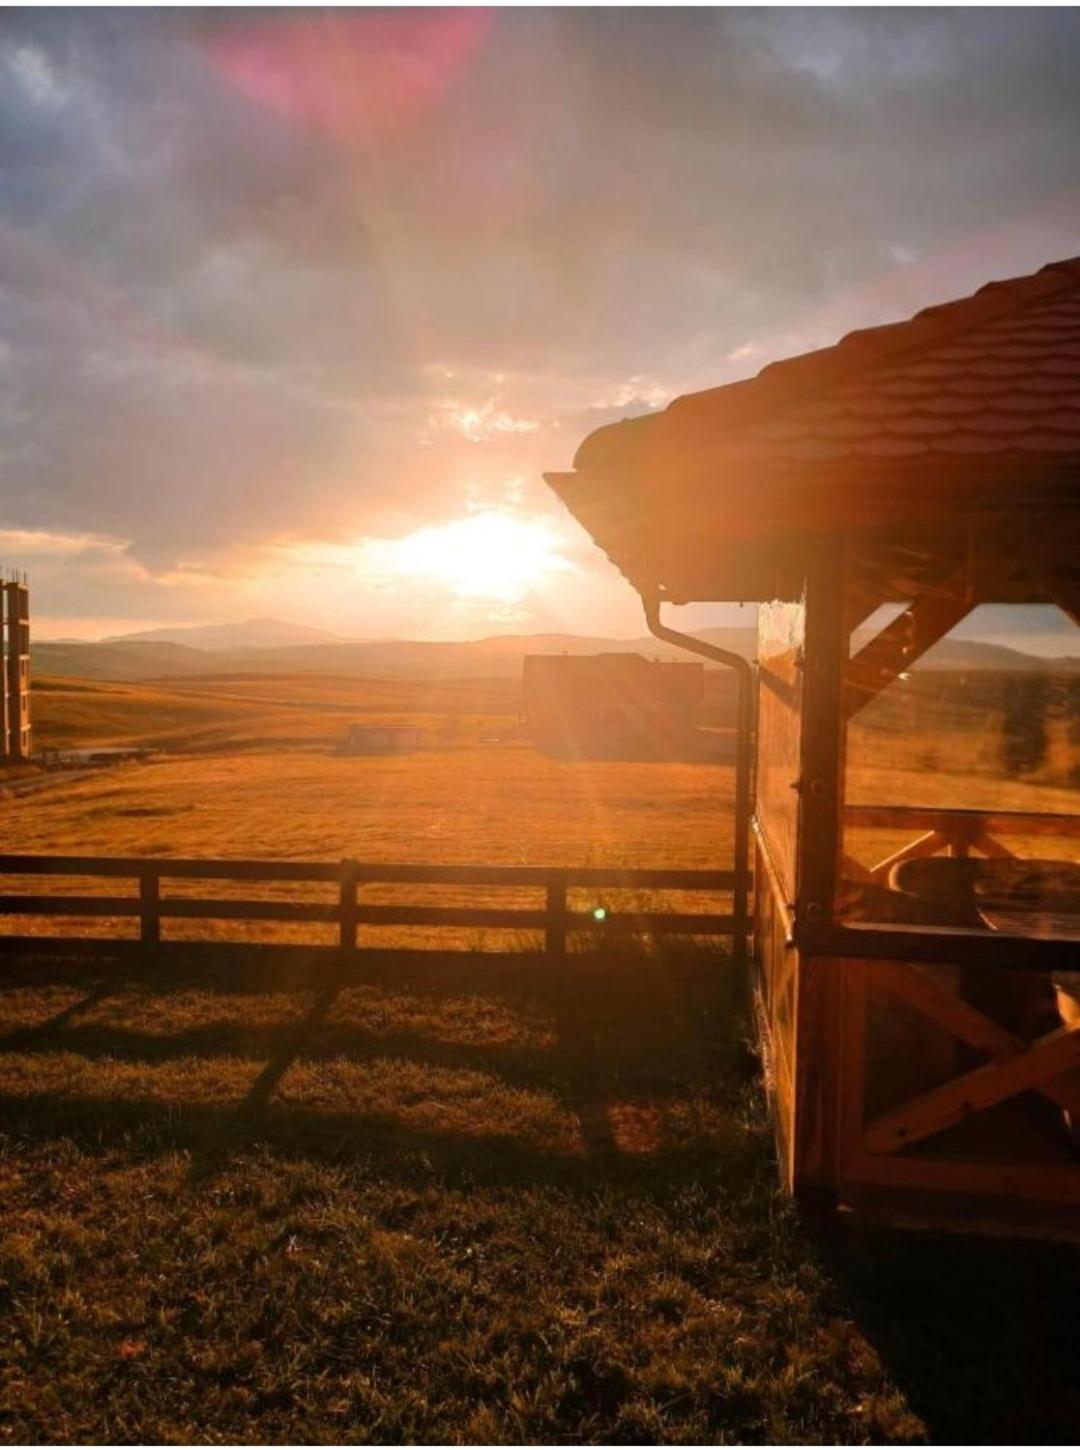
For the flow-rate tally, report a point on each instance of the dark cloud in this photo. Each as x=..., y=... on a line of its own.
x=236, y=247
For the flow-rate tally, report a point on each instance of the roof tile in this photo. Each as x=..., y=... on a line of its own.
x=918, y=425
x=995, y=373
x=972, y=443
x=886, y=447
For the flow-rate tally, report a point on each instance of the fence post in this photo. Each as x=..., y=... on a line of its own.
x=347, y=903
x=149, y=904
x=555, y=930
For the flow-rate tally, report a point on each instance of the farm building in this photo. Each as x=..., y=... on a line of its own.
x=916, y=923
x=382, y=740
x=612, y=704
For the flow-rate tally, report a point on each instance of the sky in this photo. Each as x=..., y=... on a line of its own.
x=296, y=306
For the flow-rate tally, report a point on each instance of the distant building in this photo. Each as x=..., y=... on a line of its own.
x=612, y=704
x=382, y=739
x=15, y=687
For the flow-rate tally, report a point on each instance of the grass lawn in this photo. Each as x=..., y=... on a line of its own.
x=466, y=1210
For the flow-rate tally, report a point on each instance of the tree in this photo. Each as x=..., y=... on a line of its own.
x=1024, y=741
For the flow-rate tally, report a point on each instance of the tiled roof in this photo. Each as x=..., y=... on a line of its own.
x=905, y=429
x=992, y=376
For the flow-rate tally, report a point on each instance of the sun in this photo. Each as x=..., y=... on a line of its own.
x=494, y=555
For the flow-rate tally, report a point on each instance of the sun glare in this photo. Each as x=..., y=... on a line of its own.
x=489, y=555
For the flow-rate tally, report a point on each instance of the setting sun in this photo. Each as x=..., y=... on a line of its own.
x=490, y=555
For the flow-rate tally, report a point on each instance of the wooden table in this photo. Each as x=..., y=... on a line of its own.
x=1033, y=898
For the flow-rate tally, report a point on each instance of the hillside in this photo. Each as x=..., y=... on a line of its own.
x=498, y=657
x=105, y=660
x=248, y=634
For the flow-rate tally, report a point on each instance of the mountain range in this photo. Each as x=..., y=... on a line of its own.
x=273, y=647
x=248, y=634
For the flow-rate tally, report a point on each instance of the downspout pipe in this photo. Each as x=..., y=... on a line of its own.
x=744, y=681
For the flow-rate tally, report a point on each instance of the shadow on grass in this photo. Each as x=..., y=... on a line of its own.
x=628, y=1045
x=378, y=1143
x=980, y=1334
x=665, y=1024
x=289, y=1048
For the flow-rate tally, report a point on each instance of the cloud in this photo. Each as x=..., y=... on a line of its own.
x=276, y=277
x=480, y=423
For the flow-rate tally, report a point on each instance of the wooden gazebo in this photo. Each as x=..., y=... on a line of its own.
x=915, y=922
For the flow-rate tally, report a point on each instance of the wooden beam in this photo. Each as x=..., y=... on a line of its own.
x=1063, y=587
x=928, y=845
x=950, y=945
x=993, y=848
x=212, y=869
x=851, y=1106
x=925, y=621
x=931, y=1113
x=1054, y=1182
x=949, y=821
x=821, y=739
x=966, y=1022
x=948, y=1009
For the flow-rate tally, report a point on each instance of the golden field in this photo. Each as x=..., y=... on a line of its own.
x=262, y=779
x=253, y=771
x=243, y=712
x=251, y=768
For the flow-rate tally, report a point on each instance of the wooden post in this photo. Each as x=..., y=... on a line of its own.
x=817, y=1084
x=5, y=739
x=555, y=931
x=744, y=790
x=347, y=902
x=149, y=904
x=17, y=671
x=822, y=743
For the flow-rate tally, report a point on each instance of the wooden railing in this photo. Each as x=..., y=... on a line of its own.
x=348, y=911
x=950, y=832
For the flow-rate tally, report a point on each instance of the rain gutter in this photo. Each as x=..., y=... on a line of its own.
x=744, y=681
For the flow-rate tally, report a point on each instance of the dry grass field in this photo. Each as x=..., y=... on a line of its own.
x=471, y=1206
x=499, y=803
x=245, y=712
x=232, y=788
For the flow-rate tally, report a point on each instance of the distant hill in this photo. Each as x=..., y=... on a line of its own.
x=248, y=634
x=135, y=660
x=498, y=657
x=974, y=654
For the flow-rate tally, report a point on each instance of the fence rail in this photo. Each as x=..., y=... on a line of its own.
x=349, y=912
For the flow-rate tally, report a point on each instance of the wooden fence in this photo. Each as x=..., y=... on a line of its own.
x=348, y=911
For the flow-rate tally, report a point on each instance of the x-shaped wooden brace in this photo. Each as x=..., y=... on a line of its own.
x=931, y=843
x=1050, y=1065
x=949, y=599
x=925, y=621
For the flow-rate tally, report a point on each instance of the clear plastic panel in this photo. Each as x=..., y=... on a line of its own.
x=781, y=633
x=962, y=780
